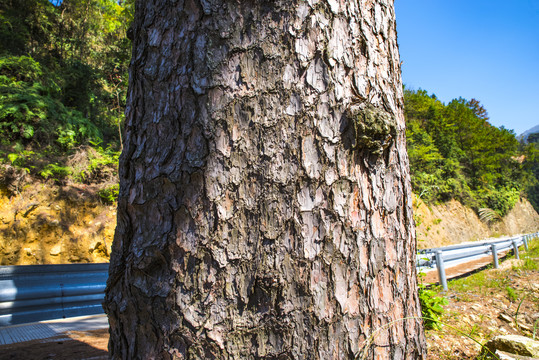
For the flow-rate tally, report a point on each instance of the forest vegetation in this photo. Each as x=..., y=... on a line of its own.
x=63, y=84
x=455, y=153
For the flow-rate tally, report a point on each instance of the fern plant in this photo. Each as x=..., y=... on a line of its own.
x=489, y=216
x=31, y=109
x=55, y=171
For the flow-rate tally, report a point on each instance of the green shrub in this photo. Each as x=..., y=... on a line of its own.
x=31, y=110
x=109, y=194
x=20, y=156
x=95, y=164
x=431, y=307
x=20, y=68
x=531, y=256
x=55, y=171
x=501, y=200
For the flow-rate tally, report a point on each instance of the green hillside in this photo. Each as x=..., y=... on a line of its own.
x=63, y=82
x=455, y=153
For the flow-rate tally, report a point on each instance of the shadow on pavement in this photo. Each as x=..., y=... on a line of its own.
x=72, y=345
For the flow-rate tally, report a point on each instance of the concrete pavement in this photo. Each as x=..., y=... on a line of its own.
x=52, y=328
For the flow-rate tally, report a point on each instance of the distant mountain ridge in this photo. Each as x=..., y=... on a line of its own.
x=525, y=134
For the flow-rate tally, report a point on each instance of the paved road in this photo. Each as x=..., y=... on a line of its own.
x=431, y=275
x=46, y=329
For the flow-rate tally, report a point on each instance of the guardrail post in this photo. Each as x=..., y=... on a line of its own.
x=515, y=248
x=525, y=239
x=441, y=269
x=495, y=256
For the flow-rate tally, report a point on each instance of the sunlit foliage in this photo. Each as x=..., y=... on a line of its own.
x=455, y=153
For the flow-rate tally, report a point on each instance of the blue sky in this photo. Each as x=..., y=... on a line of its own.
x=487, y=50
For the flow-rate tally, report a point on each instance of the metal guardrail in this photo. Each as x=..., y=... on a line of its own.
x=43, y=292
x=440, y=258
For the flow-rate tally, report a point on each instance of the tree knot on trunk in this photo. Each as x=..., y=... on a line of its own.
x=374, y=129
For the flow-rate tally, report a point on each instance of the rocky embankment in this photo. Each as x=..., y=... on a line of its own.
x=48, y=224
x=44, y=223
x=451, y=223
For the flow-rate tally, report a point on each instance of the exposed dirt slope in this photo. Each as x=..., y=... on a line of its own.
x=47, y=224
x=451, y=223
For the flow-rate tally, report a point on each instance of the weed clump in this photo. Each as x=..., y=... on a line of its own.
x=431, y=307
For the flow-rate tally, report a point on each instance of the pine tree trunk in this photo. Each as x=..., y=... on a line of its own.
x=265, y=204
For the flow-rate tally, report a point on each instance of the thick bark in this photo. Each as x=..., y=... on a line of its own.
x=264, y=207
